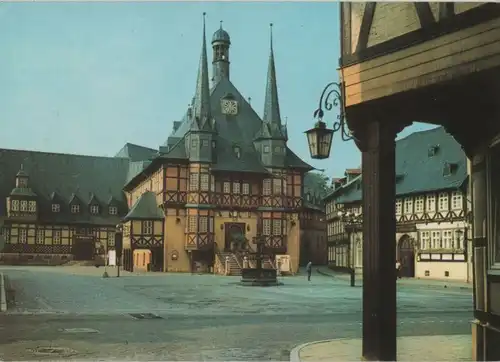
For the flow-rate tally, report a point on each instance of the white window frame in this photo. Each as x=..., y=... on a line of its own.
x=266, y=227
x=147, y=227
x=226, y=187
x=277, y=227
x=245, y=188
x=111, y=238
x=266, y=187
x=277, y=186
x=399, y=206
x=75, y=209
x=443, y=200
x=447, y=239
x=430, y=203
x=14, y=205
x=32, y=206
x=193, y=224
x=23, y=236
x=419, y=204
x=56, y=236
x=203, y=224
x=425, y=239
x=40, y=236
x=457, y=200
x=23, y=205
x=408, y=204
x=113, y=210
x=236, y=187
x=204, y=182
x=94, y=209
x=194, y=181
x=436, y=239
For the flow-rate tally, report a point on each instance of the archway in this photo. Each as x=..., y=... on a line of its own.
x=406, y=255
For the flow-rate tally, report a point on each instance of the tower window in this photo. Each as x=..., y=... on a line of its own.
x=266, y=149
x=237, y=151
x=32, y=206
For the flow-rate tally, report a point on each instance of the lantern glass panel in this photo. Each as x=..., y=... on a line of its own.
x=325, y=143
x=312, y=139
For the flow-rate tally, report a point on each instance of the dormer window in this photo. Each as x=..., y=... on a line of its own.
x=56, y=207
x=32, y=206
x=449, y=168
x=113, y=210
x=24, y=205
x=237, y=151
x=94, y=209
x=14, y=205
x=75, y=209
x=433, y=150
x=266, y=149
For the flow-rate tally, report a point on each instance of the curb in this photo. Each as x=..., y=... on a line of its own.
x=295, y=352
x=428, y=286
x=3, y=295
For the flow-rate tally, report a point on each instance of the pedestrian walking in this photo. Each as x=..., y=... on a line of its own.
x=309, y=270
x=398, y=269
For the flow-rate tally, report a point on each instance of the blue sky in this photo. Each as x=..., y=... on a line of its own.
x=89, y=77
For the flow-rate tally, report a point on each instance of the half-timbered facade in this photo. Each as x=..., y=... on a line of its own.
x=432, y=211
x=52, y=208
x=436, y=63
x=224, y=175
x=313, y=222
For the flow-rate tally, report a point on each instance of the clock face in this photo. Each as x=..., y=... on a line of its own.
x=229, y=107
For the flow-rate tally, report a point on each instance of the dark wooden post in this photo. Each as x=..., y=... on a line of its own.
x=376, y=139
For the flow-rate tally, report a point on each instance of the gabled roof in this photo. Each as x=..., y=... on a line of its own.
x=56, y=175
x=145, y=208
x=416, y=170
x=136, y=152
x=232, y=130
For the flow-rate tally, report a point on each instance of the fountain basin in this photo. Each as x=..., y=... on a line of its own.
x=259, y=277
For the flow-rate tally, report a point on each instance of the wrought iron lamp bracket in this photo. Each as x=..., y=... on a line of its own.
x=332, y=96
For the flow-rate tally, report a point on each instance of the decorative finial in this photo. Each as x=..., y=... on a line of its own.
x=221, y=24
x=286, y=121
x=271, y=33
x=250, y=100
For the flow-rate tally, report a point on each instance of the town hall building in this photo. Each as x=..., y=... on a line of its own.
x=224, y=178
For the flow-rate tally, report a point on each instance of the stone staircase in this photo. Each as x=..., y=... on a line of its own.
x=234, y=267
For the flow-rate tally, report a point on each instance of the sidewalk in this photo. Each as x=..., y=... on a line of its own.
x=421, y=283
x=418, y=348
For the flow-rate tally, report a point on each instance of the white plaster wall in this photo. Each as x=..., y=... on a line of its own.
x=457, y=270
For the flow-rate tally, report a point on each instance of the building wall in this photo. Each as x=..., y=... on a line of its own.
x=418, y=217
x=176, y=259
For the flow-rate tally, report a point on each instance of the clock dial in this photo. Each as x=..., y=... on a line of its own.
x=229, y=107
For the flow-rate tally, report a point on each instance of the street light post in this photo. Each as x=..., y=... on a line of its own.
x=349, y=219
x=118, y=247
x=105, y=274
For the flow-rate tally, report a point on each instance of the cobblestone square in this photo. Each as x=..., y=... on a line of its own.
x=197, y=317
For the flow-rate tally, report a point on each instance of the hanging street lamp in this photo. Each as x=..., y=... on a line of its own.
x=320, y=137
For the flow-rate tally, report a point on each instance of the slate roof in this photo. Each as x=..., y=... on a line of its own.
x=145, y=208
x=417, y=171
x=63, y=177
x=136, y=153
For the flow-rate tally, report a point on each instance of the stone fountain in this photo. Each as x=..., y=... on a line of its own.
x=259, y=276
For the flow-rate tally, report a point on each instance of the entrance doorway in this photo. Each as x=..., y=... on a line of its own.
x=233, y=231
x=406, y=254
x=83, y=248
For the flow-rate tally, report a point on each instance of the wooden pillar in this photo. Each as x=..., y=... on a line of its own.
x=377, y=142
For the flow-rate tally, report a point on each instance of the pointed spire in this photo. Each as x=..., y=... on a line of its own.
x=201, y=104
x=271, y=105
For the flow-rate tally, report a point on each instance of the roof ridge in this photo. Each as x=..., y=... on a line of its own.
x=59, y=153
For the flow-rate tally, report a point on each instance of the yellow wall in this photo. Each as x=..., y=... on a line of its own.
x=174, y=237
